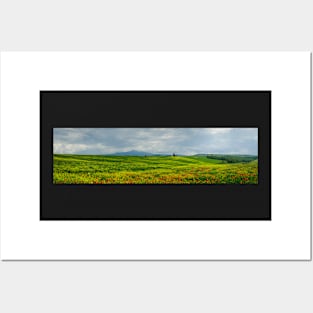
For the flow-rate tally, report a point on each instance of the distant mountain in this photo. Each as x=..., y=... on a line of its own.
x=225, y=157
x=135, y=153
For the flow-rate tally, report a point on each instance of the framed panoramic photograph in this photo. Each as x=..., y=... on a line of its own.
x=155, y=156
x=102, y=156
x=195, y=145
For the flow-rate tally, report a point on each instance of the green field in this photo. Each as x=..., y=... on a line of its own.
x=200, y=169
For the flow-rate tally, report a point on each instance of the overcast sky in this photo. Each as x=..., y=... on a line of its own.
x=155, y=140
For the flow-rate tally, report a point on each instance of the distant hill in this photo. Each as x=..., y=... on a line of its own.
x=136, y=153
x=231, y=158
x=224, y=158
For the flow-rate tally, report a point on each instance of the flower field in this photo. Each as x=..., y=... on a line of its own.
x=97, y=169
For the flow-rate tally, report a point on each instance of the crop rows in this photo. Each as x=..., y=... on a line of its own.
x=83, y=169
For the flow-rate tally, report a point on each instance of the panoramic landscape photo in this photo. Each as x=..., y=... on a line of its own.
x=155, y=156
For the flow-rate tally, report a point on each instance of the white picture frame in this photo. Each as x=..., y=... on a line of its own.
x=286, y=237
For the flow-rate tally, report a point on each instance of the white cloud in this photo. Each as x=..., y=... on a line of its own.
x=155, y=140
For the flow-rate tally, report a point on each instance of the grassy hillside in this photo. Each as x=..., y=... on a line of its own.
x=91, y=169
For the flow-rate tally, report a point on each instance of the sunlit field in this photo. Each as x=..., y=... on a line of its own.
x=198, y=169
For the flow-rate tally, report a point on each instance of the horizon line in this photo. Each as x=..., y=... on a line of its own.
x=157, y=153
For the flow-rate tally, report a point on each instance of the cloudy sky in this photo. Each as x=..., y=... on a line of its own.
x=186, y=141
